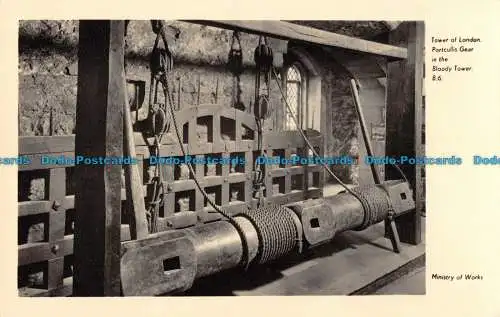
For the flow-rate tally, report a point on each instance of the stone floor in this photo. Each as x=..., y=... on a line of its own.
x=411, y=284
x=355, y=263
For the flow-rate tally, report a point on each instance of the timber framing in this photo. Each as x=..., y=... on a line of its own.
x=404, y=119
x=95, y=242
x=99, y=126
x=289, y=31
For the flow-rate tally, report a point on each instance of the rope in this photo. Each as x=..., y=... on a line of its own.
x=260, y=177
x=276, y=229
x=263, y=57
x=396, y=166
x=235, y=66
x=244, y=259
x=258, y=182
x=371, y=202
x=158, y=28
x=377, y=203
x=158, y=113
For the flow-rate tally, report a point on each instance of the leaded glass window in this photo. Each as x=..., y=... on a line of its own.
x=294, y=83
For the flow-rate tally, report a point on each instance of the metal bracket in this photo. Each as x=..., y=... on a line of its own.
x=393, y=232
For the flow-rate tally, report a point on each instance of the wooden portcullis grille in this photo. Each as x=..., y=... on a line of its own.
x=46, y=192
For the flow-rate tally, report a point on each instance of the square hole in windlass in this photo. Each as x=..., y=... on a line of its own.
x=171, y=264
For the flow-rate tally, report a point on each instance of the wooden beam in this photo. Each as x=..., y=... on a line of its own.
x=404, y=118
x=392, y=25
x=360, y=66
x=418, y=47
x=289, y=31
x=99, y=132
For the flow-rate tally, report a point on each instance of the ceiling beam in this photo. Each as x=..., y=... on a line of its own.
x=290, y=31
x=392, y=25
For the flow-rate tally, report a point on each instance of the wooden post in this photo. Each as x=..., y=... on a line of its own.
x=404, y=118
x=99, y=133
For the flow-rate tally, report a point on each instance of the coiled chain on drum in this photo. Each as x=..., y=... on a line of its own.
x=376, y=204
x=276, y=229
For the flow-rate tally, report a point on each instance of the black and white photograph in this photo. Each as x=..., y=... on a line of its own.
x=221, y=158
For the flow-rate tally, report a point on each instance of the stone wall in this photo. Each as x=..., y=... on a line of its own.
x=341, y=120
x=48, y=69
x=48, y=75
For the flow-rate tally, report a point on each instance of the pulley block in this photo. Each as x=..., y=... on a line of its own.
x=235, y=58
x=161, y=61
x=159, y=121
x=156, y=26
x=261, y=107
x=263, y=56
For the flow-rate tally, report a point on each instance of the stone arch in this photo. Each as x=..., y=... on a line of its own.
x=307, y=61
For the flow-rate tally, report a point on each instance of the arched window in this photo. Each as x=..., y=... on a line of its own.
x=294, y=83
